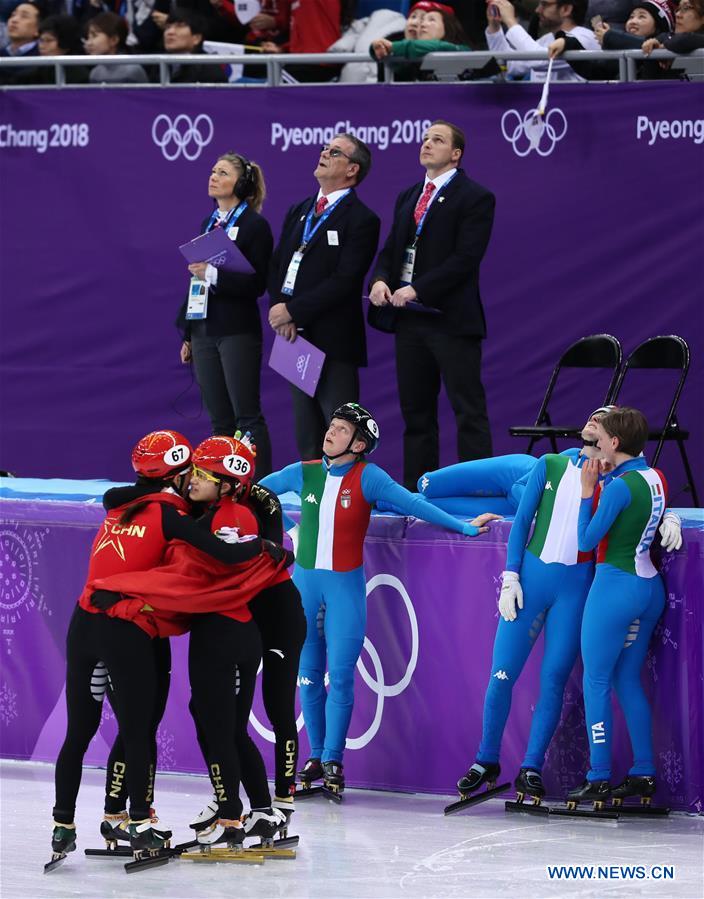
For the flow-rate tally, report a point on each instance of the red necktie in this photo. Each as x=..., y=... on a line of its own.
x=320, y=205
x=424, y=202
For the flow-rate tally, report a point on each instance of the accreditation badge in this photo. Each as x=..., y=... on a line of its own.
x=409, y=261
x=292, y=273
x=197, y=307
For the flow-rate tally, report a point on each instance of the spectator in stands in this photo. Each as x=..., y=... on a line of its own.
x=382, y=23
x=313, y=25
x=107, y=36
x=23, y=34
x=650, y=27
x=146, y=23
x=439, y=31
x=560, y=19
x=689, y=30
x=61, y=36
x=184, y=33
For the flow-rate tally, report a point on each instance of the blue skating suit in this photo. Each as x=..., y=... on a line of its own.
x=555, y=579
x=335, y=507
x=623, y=607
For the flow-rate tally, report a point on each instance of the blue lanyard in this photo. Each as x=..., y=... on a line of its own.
x=310, y=232
x=228, y=221
x=419, y=226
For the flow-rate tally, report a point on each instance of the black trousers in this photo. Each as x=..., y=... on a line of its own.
x=116, y=779
x=426, y=356
x=223, y=658
x=228, y=371
x=278, y=612
x=338, y=384
x=128, y=654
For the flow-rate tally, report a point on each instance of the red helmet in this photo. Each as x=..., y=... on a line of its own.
x=227, y=457
x=162, y=454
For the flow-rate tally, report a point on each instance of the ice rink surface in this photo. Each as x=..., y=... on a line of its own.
x=373, y=845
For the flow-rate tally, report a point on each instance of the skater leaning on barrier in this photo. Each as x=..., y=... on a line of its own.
x=337, y=494
x=624, y=603
x=545, y=585
x=134, y=538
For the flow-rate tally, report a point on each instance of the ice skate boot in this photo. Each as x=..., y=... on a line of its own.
x=266, y=823
x=529, y=783
x=112, y=832
x=312, y=770
x=596, y=791
x=642, y=786
x=207, y=816
x=477, y=776
x=223, y=840
x=145, y=839
x=63, y=841
x=285, y=805
x=334, y=776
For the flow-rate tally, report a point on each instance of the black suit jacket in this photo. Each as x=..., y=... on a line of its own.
x=449, y=251
x=327, y=298
x=232, y=303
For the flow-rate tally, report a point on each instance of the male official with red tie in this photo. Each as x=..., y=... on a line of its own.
x=440, y=233
x=316, y=283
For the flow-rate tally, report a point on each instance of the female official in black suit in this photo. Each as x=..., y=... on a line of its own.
x=226, y=346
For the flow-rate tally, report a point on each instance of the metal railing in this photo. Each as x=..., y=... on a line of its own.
x=446, y=65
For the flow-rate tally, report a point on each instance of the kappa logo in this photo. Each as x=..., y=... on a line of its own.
x=501, y=675
x=598, y=732
x=182, y=136
x=305, y=682
x=311, y=499
x=533, y=131
x=548, y=485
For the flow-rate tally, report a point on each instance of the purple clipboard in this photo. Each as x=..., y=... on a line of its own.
x=299, y=362
x=414, y=306
x=216, y=248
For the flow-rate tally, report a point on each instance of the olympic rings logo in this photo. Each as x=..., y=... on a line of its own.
x=533, y=131
x=182, y=136
x=376, y=683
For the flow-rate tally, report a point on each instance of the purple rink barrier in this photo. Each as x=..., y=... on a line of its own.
x=420, y=687
x=599, y=227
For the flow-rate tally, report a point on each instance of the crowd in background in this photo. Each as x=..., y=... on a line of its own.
x=400, y=29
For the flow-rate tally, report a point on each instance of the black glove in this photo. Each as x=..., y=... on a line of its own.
x=105, y=599
x=278, y=553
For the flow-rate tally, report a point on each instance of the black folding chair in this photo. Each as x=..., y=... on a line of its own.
x=598, y=351
x=664, y=352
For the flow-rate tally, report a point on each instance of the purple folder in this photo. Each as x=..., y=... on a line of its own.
x=216, y=248
x=299, y=362
x=413, y=305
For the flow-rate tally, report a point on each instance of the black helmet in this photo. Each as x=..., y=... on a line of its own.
x=367, y=428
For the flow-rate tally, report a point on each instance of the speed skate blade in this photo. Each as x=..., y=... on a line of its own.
x=117, y=852
x=641, y=811
x=475, y=799
x=279, y=843
x=273, y=851
x=55, y=863
x=243, y=856
x=147, y=862
x=601, y=814
x=308, y=792
x=334, y=795
x=527, y=808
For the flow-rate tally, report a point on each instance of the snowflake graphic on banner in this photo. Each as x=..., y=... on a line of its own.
x=165, y=749
x=8, y=704
x=568, y=752
x=20, y=590
x=671, y=767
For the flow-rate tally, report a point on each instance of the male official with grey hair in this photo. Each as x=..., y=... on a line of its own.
x=316, y=282
x=431, y=258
